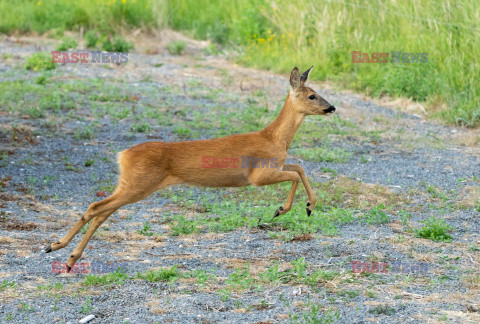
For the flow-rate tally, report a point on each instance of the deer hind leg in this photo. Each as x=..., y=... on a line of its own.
x=264, y=177
x=121, y=197
x=312, y=200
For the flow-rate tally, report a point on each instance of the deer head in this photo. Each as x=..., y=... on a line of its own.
x=305, y=99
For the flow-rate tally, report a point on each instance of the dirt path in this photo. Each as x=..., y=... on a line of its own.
x=378, y=173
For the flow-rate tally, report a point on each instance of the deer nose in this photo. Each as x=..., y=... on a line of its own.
x=330, y=109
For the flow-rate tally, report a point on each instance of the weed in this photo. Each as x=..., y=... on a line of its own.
x=160, y=275
x=39, y=62
x=145, y=230
x=435, y=229
x=89, y=162
x=66, y=44
x=26, y=307
x=7, y=284
x=85, y=132
x=118, y=44
x=91, y=39
x=87, y=307
x=324, y=154
x=114, y=278
x=42, y=80
x=382, y=309
x=176, y=47
x=141, y=128
x=183, y=226
x=376, y=216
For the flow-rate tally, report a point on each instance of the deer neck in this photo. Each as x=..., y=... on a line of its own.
x=283, y=128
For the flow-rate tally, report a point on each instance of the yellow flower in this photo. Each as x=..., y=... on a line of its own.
x=39, y=3
x=124, y=1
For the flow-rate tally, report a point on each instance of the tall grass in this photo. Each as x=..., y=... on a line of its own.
x=280, y=34
x=105, y=15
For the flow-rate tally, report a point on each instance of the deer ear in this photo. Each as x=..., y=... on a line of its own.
x=304, y=76
x=295, y=79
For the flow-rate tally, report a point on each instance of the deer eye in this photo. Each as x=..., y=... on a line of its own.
x=312, y=97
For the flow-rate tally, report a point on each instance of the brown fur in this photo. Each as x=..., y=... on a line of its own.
x=148, y=167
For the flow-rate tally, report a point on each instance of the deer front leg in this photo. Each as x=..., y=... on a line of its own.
x=312, y=200
x=262, y=177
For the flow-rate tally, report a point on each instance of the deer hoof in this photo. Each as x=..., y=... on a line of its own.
x=48, y=249
x=277, y=212
x=309, y=212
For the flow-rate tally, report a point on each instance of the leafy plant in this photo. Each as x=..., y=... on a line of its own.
x=176, y=47
x=160, y=275
x=435, y=229
x=118, y=44
x=66, y=44
x=91, y=39
x=39, y=62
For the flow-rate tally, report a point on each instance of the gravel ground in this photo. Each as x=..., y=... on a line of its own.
x=46, y=187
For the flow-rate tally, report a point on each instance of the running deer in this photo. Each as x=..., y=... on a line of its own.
x=148, y=167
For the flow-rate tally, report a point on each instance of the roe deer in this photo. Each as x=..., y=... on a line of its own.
x=148, y=167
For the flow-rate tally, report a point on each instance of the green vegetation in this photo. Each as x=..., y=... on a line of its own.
x=39, y=62
x=118, y=44
x=145, y=230
x=160, y=275
x=436, y=230
x=281, y=34
x=66, y=44
x=114, y=278
x=59, y=15
x=376, y=216
x=176, y=47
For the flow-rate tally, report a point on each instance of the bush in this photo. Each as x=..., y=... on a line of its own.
x=436, y=230
x=39, y=62
x=91, y=39
x=66, y=44
x=176, y=47
x=118, y=44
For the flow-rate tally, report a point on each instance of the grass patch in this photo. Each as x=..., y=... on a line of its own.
x=168, y=274
x=435, y=230
x=39, y=62
x=66, y=44
x=116, y=278
x=324, y=154
x=176, y=47
x=271, y=34
x=117, y=44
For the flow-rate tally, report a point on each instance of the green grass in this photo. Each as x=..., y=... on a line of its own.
x=59, y=15
x=284, y=34
x=176, y=47
x=160, y=275
x=39, y=61
x=117, y=278
x=436, y=230
x=66, y=44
